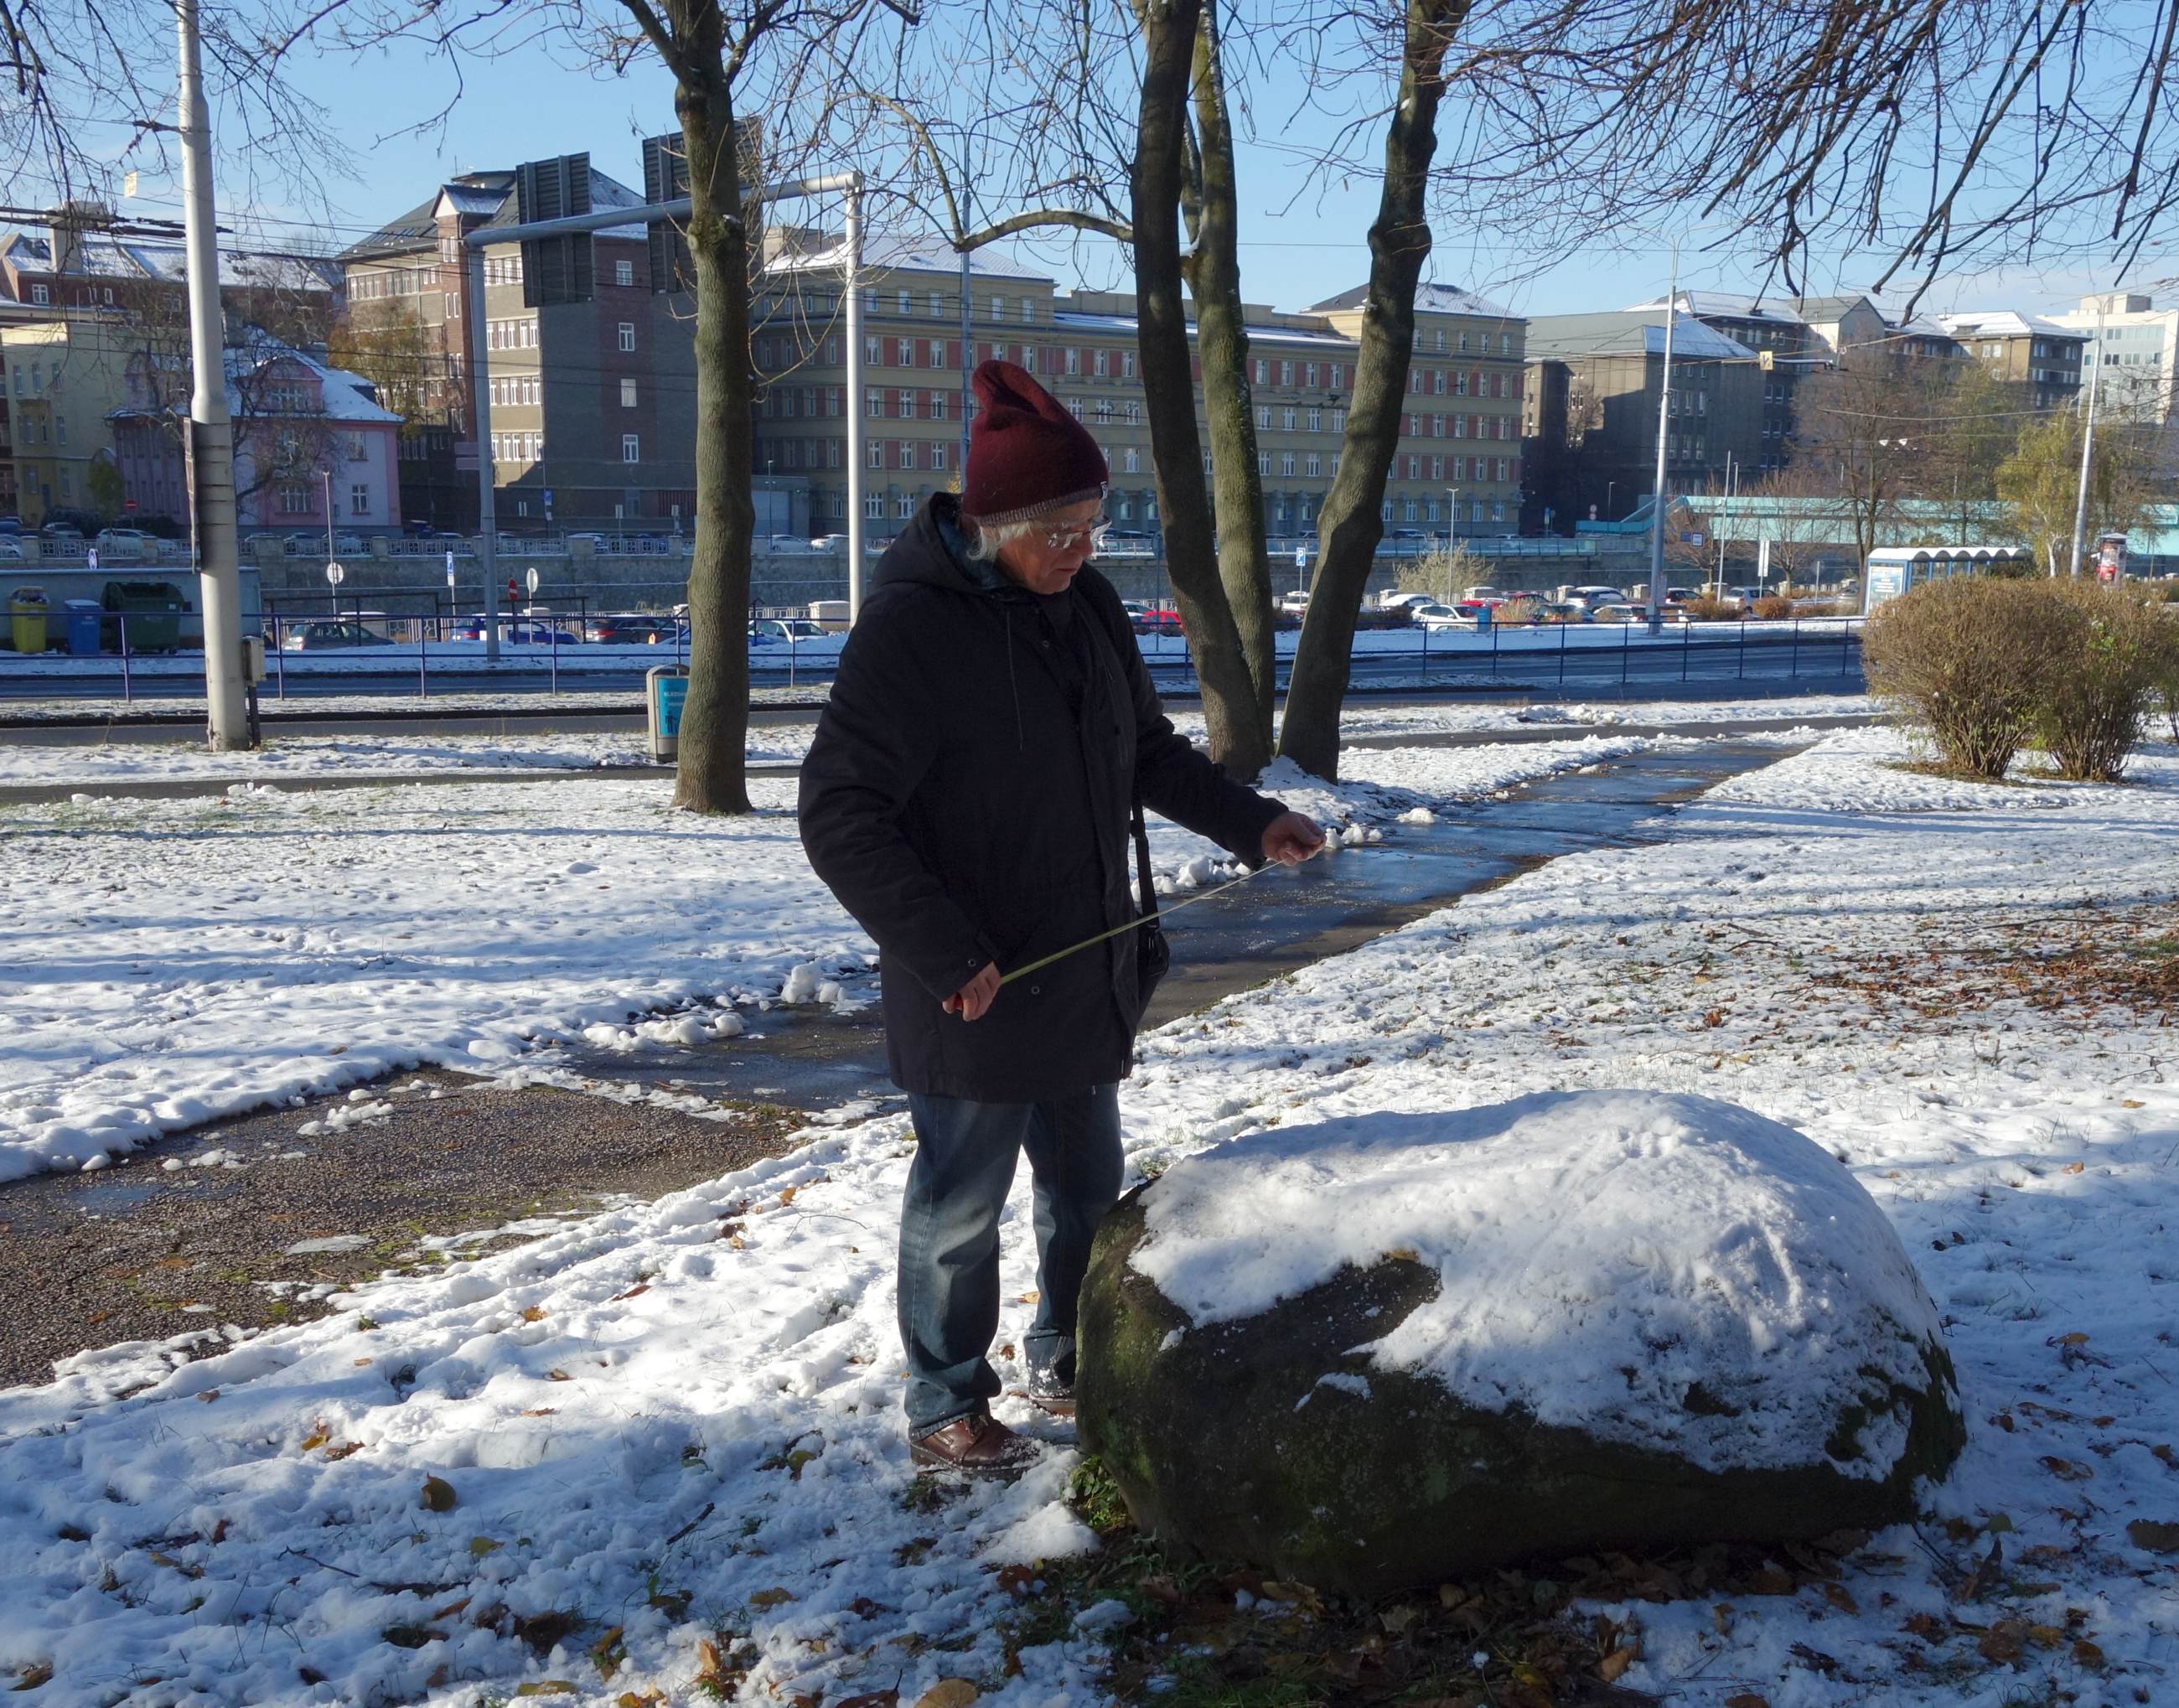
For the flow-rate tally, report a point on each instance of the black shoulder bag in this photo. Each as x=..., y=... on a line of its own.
x=1153, y=953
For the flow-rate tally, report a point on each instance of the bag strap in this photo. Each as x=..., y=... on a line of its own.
x=1146, y=890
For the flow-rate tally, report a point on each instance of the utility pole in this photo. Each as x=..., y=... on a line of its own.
x=211, y=432
x=2088, y=445
x=1657, y=498
x=851, y=285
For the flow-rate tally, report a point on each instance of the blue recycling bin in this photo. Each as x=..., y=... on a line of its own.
x=82, y=620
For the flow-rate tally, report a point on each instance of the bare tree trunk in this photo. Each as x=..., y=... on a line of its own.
x=1229, y=694
x=711, y=776
x=1351, y=522
x=1222, y=343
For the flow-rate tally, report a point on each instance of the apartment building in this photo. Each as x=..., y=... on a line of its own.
x=1590, y=421
x=313, y=449
x=591, y=386
x=78, y=301
x=1464, y=389
x=1795, y=349
x=2135, y=346
x=2039, y=355
x=64, y=377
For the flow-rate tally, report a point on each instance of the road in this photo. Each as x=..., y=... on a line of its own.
x=1822, y=656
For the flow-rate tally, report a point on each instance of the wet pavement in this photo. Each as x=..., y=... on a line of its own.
x=201, y=1229
x=814, y=1058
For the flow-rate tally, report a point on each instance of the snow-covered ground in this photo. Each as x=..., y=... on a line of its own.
x=163, y=962
x=677, y=1424
x=365, y=753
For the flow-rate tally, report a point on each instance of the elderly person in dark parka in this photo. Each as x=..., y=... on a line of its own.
x=968, y=798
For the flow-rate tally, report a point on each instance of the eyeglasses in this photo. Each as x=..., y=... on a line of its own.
x=1060, y=539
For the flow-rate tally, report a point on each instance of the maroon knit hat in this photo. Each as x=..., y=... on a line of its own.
x=1027, y=455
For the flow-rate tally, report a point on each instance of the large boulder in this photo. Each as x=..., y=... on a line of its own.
x=1397, y=1348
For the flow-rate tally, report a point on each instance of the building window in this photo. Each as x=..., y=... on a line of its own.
x=1263, y=462
x=998, y=308
x=1131, y=461
x=1460, y=383
x=623, y=271
x=903, y=404
x=631, y=448
x=874, y=506
x=1028, y=311
x=294, y=500
x=359, y=500
x=1414, y=468
x=938, y=406
x=906, y=460
x=903, y=297
x=903, y=351
x=874, y=456
x=1315, y=465
x=937, y=306
x=1105, y=411
x=903, y=506
x=628, y=394
x=874, y=350
x=938, y=352
x=628, y=336
x=1263, y=418
x=1263, y=372
x=938, y=456
x=1336, y=379
x=1407, y=510
x=1287, y=418
x=1286, y=373
x=1074, y=361
x=1126, y=365
x=1287, y=465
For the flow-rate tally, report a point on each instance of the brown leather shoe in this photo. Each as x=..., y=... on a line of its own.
x=975, y=1445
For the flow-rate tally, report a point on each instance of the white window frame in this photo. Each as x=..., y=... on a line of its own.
x=631, y=448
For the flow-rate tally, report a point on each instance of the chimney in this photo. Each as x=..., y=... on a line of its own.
x=64, y=234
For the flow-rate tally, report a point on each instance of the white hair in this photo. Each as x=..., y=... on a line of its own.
x=987, y=538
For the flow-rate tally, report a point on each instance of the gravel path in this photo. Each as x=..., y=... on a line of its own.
x=146, y=1251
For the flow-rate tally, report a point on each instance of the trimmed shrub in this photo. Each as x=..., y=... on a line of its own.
x=2115, y=650
x=1775, y=609
x=1709, y=610
x=1966, y=662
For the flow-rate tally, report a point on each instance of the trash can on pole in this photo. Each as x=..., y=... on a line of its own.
x=26, y=611
x=665, y=686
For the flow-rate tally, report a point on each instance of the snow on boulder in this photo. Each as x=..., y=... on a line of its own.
x=1399, y=1348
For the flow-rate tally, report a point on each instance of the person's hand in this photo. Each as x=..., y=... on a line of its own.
x=970, y=1001
x=1291, y=838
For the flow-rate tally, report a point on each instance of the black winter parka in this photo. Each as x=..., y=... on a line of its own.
x=967, y=797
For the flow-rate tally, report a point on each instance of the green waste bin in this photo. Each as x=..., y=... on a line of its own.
x=26, y=613
x=154, y=614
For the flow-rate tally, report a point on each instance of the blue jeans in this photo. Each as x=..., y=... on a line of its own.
x=949, y=1237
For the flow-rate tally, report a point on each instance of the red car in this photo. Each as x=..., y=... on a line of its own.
x=1155, y=619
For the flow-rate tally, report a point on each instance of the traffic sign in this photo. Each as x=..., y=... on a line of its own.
x=450, y=569
x=532, y=578
x=335, y=573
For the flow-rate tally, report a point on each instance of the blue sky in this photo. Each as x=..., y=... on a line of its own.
x=1296, y=248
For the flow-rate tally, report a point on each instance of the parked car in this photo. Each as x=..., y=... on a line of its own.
x=1295, y=601
x=1590, y=597
x=11, y=549
x=1618, y=611
x=327, y=633
x=11, y=525
x=62, y=533
x=784, y=630
x=1436, y=616
x=1391, y=599
x=1158, y=619
x=1562, y=610
x=827, y=542
x=638, y=628
x=354, y=543
x=124, y=540
x=516, y=631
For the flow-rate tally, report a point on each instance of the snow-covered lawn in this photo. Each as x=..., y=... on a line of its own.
x=163, y=962
x=667, y=1438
